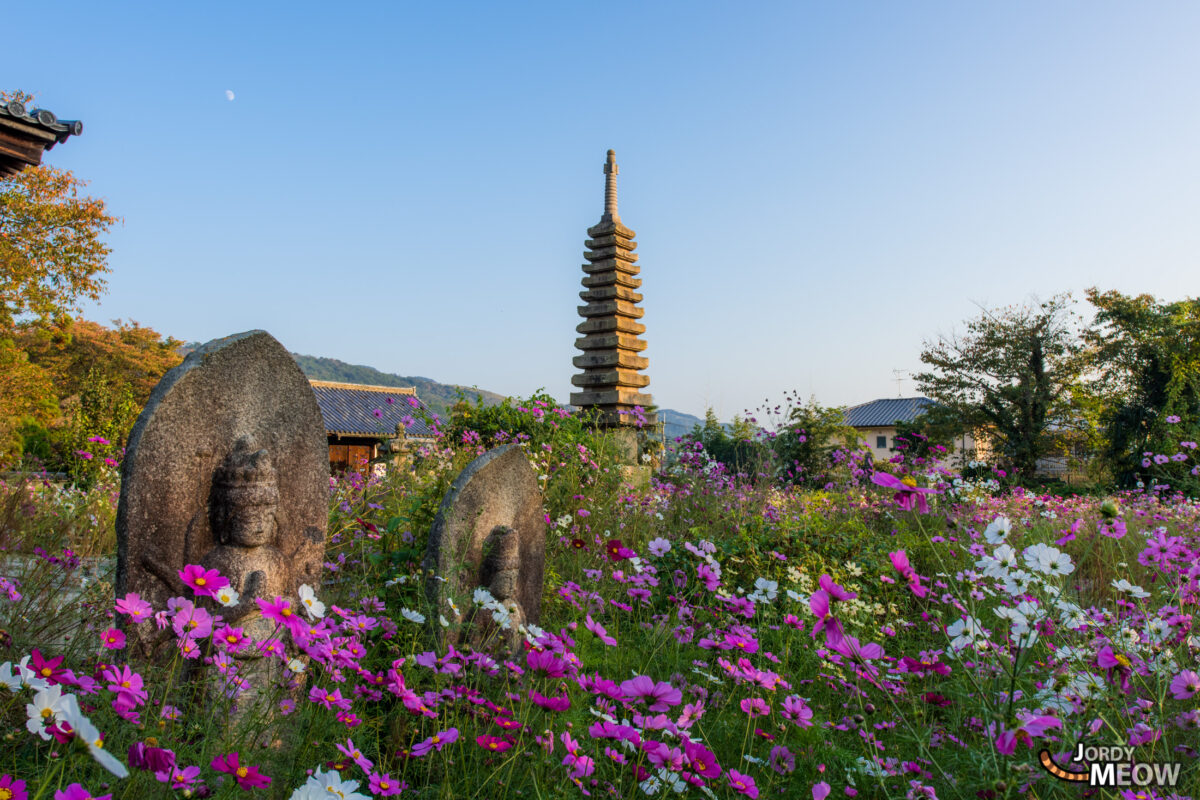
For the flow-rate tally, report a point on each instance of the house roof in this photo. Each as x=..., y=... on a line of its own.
x=354, y=409
x=24, y=134
x=886, y=412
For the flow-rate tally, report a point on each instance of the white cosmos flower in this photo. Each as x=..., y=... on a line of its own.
x=227, y=597
x=86, y=732
x=328, y=786
x=1128, y=588
x=963, y=632
x=296, y=665
x=315, y=608
x=482, y=597
x=997, y=530
x=48, y=707
x=412, y=616
x=21, y=676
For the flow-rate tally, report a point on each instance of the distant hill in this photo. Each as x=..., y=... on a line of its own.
x=438, y=397
x=677, y=423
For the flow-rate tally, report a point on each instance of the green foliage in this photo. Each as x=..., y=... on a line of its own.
x=804, y=448
x=738, y=448
x=1011, y=375
x=1148, y=356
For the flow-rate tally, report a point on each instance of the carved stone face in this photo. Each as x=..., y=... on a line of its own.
x=248, y=516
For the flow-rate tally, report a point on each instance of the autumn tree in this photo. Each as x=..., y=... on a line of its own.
x=52, y=256
x=1011, y=376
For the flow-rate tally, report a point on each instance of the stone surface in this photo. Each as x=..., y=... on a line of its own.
x=490, y=531
x=227, y=467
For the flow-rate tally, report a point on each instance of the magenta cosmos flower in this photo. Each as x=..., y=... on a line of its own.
x=599, y=631
x=204, y=582
x=908, y=494
x=902, y=565
x=14, y=788
x=742, y=784
x=76, y=792
x=247, y=777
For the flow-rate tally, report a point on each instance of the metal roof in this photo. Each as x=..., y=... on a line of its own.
x=886, y=412
x=353, y=409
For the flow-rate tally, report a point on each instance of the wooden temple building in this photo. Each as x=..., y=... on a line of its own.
x=26, y=134
x=368, y=424
x=612, y=379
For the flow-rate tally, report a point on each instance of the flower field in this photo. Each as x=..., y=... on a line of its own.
x=896, y=634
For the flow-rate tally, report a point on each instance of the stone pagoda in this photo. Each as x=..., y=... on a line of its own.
x=611, y=379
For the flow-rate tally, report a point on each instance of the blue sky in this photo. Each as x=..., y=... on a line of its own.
x=816, y=187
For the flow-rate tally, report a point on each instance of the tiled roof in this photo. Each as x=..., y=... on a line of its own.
x=885, y=413
x=353, y=409
x=42, y=118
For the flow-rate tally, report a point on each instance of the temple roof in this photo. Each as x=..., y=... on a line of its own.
x=352, y=409
x=26, y=134
x=886, y=412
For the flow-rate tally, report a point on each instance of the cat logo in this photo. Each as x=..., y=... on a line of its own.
x=1111, y=767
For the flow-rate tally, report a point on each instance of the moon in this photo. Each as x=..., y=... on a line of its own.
x=229, y=95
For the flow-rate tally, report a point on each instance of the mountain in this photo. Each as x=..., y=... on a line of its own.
x=677, y=423
x=438, y=397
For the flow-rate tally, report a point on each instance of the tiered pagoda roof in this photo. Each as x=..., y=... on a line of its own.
x=611, y=377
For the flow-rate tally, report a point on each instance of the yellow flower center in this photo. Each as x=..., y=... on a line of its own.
x=330, y=698
x=699, y=766
x=382, y=785
x=193, y=624
x=200, y=581
x=5, y=794
x=909, y=481
x=231, y=638
x=98, y=744
x=436, y=740
x=47, y=713
x=1123, y=660
x=47, y=672
x=125, y=684
x=242, y=772
x=287, y=612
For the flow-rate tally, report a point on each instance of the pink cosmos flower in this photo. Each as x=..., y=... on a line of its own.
x=15, y=788
x=247, y=777
x=204, y=582
x=48, y=669
x=1185, y=684
x=134, y=607
x=702, y=760
x=354, y=754
x=76, y=792
x=599, y=631
x=782, y=760
x=900, y=562
x=385, y=786
x=435, y=742
x=660, y=696
x=113, y=639
x=742, y=784
x=821, y=790
x=797, y=711
x=755, y=707
x=280, y=611
x=908, y=495
x=494, y=744
x=179, y=778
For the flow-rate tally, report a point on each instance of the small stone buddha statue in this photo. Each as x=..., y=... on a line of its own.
x=500, y=573
x=242, y=514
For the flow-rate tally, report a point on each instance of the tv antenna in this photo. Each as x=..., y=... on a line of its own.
x=899, y=379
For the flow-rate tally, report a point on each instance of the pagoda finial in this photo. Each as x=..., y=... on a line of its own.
x=610, y=189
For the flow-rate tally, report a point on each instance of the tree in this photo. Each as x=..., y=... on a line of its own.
x=805, y=447
x=1147, y=354
x=737, y=448
x=51, y=250
x=1011, y=376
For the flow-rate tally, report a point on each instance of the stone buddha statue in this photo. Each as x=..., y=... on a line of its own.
x=242, y=515
x=500, y=574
